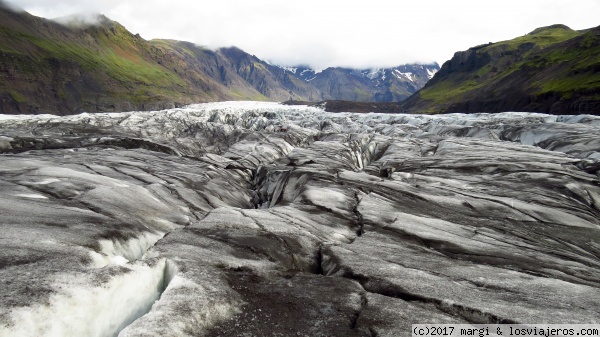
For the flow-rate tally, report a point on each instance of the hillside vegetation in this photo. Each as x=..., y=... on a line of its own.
x=49, y=67
x=553, y=69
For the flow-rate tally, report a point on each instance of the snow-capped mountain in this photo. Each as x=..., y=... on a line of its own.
x=375, y=84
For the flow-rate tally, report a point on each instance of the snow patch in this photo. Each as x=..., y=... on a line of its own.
x=290, y=69
x=375, y=73
x=407, y=75
x=305, y=71
x=431, y=72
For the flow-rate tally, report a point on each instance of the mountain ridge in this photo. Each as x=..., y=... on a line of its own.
x=71, y=67
x=49, y=67
x=552, y=69
x=369, y=84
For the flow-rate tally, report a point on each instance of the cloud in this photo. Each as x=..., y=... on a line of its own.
x=54, y=9
x=80, y=19
x=11, y=6
x=321, y=33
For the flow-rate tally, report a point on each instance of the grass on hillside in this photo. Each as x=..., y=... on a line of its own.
x=127, y=68
x=447, y=91
x=573, y=78
x=541, y=39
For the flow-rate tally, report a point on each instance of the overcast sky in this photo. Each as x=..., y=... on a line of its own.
x=323, y=33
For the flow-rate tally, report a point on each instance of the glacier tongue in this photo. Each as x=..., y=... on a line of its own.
x=257, y=218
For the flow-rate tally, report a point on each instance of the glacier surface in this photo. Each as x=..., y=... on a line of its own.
x=247, y=218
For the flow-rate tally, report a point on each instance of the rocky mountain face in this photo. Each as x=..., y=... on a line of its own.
x=552, y=69
x=368, y=85
x=253, y=218
x=242, y=75
x=47, y=67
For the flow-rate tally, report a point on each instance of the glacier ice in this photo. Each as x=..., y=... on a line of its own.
x=260, y=218
x=80, y=309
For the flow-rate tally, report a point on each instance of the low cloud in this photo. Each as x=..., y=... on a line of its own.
x=80, y=19
x=378, y=33
x=13, y=7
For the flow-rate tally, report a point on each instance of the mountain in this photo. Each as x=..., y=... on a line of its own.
x=553, y=69
x=50, y=67
x=368, y=85
x=244, y=76
x=73, y=66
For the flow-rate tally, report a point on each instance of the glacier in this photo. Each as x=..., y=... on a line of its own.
x=254, y=218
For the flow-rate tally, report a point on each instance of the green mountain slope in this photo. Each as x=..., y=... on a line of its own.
x=49, y=67
x=552, y=69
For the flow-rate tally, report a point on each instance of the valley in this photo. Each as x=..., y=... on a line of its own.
x=69, y=67
x=157, y=187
